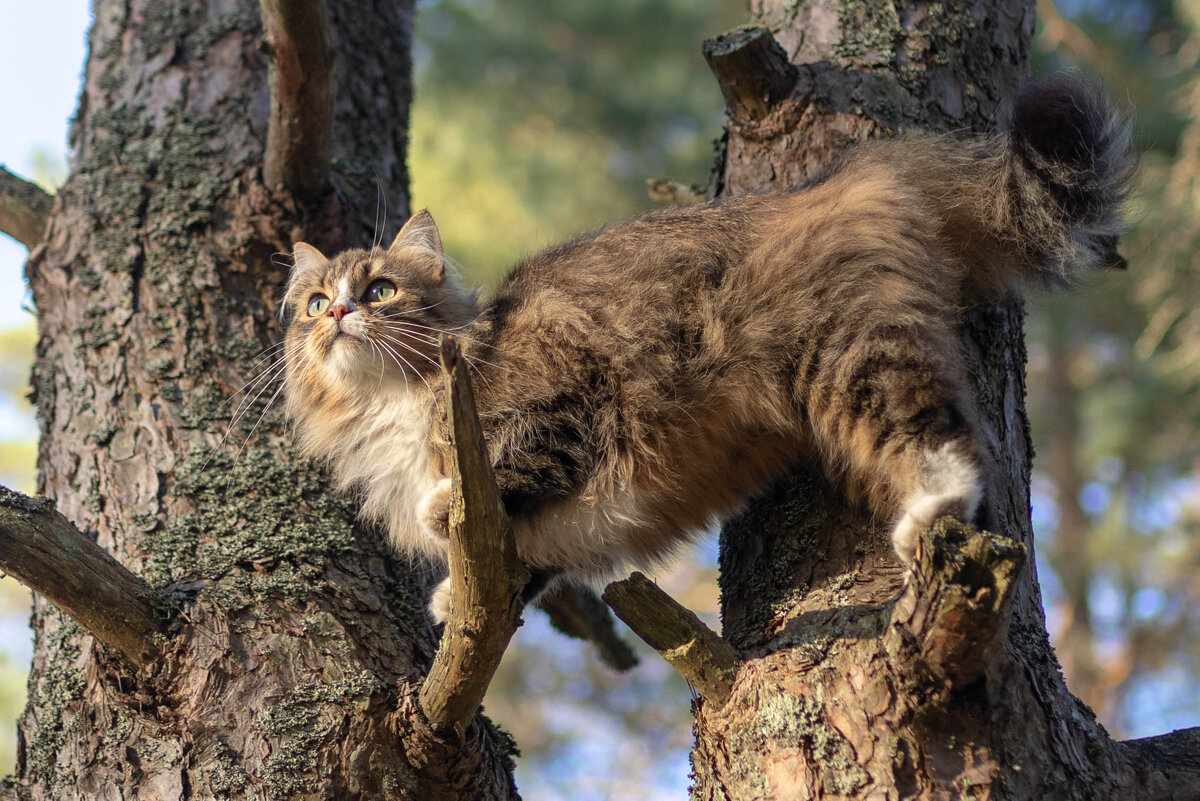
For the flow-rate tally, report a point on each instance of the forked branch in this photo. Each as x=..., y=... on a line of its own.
x=45, y=552
x=486, y=575
x=300, y=127
x=696, y=651
x=24, y=209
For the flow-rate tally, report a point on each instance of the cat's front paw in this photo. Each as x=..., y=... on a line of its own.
x=439, y=602
x=433, y=511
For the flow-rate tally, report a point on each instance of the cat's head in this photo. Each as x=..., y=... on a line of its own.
x=369, y=318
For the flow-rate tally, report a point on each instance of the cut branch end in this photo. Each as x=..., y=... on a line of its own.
x=752, y=69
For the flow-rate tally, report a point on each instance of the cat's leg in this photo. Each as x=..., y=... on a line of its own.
x=890, y=409
x=528, y=478
x=949, y=482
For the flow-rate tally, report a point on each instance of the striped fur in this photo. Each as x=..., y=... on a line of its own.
x=640, y=382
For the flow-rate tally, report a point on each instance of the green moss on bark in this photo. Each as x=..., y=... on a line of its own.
x=52, y=693
x=257, y=511
x=307, y=717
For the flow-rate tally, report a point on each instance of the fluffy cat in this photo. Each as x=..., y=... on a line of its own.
x=639, y=383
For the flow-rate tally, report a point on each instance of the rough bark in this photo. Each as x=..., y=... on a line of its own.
x=854, y=685
x=486, y=575
x=296, y=641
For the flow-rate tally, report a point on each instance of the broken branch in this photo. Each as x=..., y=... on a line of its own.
x=300, y=127
x=24, y=209
x=696, y=651
x=752, y=69
x=45, y=552
x=486, y=575
x=953, y=615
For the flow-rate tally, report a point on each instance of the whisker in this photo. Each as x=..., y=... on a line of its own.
x=409, y=348
x=391, y=326
x=399, y=358
x=262, y=381
x=258, y=422
x=257, y=375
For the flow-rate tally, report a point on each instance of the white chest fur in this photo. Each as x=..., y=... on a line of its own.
x=383, y=453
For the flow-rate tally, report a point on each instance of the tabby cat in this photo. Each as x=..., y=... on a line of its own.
x=637, y=384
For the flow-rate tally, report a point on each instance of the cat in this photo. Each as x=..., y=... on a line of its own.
x=639, y=383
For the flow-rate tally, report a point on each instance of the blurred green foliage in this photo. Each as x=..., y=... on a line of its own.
x=537, y=120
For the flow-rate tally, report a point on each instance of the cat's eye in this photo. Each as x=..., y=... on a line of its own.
x=380, y=290
x=318, y=305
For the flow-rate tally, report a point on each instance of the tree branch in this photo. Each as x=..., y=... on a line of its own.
x=486, y=575
x=692, y=648
x=45, y=552
x=1173, y=759
x=752, y=69
x=577, y=612
x=953, y=615
x=24, y=209
x=300, y=129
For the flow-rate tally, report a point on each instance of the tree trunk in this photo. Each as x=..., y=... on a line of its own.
x=294, y=640
x=856, y=682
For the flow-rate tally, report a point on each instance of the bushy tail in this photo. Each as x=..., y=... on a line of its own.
x=1065, y=176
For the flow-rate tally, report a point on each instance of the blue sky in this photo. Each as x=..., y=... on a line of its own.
x=42, y=46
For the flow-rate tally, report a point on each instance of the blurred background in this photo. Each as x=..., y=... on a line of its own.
x=535, y=120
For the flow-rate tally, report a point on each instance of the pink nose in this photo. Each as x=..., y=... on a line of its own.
x=339, y=311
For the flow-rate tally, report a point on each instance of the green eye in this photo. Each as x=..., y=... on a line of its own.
x=380, y=290
x=318, y=305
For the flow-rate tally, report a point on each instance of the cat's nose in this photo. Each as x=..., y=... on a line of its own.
x=340, y=310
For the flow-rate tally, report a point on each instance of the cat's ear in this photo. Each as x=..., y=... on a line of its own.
x=421, y=232
x=306, y=259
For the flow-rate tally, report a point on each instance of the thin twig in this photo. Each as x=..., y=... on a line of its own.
x=300, y=128
x=24, y=209
x=486, y=575
x=692, y=648
x=45, y=552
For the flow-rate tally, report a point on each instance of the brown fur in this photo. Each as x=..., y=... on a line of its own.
x=638, y=383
